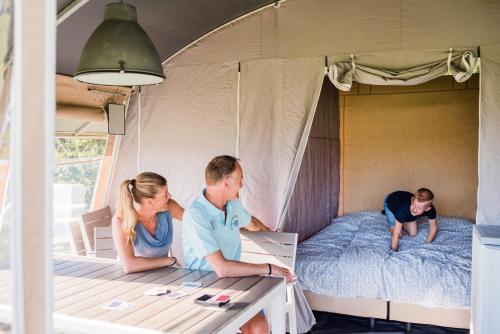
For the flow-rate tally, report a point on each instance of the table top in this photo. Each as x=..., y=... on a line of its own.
x=83, y=286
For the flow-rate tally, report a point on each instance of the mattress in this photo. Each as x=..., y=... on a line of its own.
x=351, y=258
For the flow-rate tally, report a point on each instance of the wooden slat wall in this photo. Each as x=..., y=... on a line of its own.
x=315, y=197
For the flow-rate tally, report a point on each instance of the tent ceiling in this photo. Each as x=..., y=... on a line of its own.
x=171, y=25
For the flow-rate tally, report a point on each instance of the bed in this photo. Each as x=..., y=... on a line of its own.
x=348, y=268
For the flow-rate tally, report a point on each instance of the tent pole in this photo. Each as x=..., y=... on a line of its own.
x=32, y=138
x=139, y=133
x=237, y=141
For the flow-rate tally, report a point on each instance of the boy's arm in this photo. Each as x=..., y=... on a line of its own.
x=432, y=230
x=395, y=235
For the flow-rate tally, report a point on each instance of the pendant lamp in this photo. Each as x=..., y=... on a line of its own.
x=119, y=52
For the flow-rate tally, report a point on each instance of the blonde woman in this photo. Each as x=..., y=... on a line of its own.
x=142, y=226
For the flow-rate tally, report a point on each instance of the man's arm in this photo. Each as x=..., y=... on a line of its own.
x=256, y=225
x=433, y=227
x=230, y=268
x=396, y=231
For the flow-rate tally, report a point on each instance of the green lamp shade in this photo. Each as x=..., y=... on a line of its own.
x=119, y=52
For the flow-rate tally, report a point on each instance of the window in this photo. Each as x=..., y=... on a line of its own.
x=76, y=169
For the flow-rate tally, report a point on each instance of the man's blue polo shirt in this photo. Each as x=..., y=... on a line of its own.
x=206, y=229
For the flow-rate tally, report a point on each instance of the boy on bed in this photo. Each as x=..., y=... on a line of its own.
x=403, y=208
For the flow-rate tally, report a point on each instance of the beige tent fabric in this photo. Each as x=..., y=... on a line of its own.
x=278, y=101
x=80, y=113
x=389, y=34
x=185, y=122
x=461, y=66
x=81, y=106
x=74, y=93
x=489, y=138
x=308, y=28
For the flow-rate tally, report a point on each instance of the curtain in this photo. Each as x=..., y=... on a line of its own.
x=460, y=65
x=278, y=101
x=488, y=211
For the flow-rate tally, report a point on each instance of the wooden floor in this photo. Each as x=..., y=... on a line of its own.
x=83, y=286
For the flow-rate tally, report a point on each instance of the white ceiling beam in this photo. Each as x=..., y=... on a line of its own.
x=70, y=10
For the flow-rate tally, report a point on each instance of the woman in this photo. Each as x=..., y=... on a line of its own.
x=142, y=226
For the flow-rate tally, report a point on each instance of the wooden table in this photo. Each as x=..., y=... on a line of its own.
x=83, y=286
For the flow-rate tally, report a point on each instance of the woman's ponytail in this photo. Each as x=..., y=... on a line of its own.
x=126, y=210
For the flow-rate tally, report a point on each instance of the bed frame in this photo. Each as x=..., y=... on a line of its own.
x=380, y=309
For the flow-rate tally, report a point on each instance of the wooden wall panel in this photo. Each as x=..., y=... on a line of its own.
x=315, y=197
x=406, y=139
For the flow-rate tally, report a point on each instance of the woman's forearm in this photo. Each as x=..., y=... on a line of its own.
x=139, y=263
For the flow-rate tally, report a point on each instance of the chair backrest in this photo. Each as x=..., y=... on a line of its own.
x=76, y=239
x=91, y=220
x=103, y=242
x=277, y=248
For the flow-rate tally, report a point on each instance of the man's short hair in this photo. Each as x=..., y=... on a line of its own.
x=219, y=168
x=424, y=195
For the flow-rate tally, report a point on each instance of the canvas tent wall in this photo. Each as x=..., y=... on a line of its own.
x=206, y=108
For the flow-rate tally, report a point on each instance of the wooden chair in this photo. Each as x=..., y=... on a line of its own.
x=88, y=224
x=76, y=239
x=277, y=248
x=103, y=243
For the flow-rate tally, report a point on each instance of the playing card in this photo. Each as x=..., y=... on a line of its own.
x=158, y=291
x=117, y=305
x=219, y=299
x=176, y=294
x=191, y=285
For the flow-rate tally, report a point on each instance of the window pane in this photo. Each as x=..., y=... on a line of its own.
x=76, y=168
x=5, y=203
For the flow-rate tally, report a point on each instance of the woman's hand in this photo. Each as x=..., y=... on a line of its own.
x=170, y=261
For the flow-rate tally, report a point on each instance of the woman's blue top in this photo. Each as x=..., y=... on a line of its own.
x=147, y=245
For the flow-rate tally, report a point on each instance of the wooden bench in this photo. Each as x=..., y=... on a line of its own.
x=277, y=248
x=76, y=238
x=97, y=235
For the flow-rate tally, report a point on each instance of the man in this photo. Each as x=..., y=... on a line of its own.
x=210, y=230
x=403, y=208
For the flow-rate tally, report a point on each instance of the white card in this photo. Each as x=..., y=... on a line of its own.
x=191, y=285
x=118, y=305
x=176, y=294
x=158, y=291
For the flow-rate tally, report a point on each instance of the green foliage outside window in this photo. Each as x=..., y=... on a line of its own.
x=77, y=160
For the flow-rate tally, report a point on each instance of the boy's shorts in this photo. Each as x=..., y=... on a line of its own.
x=391, y=219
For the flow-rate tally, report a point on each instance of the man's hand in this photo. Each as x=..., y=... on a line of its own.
x=281, y=271
x=256, y=225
